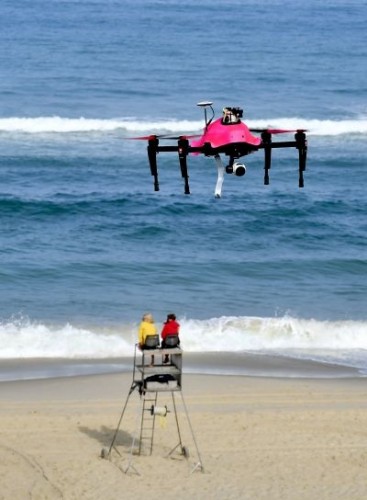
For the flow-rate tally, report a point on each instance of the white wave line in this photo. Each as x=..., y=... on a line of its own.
x=57, y=124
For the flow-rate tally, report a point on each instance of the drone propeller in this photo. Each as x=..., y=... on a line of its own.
x=179, y=137
x=163, y=136
x=276, y=130
x=143, y=138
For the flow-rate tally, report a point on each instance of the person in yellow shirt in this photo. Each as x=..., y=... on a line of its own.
x=147, y=328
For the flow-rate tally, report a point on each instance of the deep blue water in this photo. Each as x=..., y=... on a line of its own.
x=85, y=242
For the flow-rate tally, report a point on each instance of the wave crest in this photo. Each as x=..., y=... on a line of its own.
x=22, y=338
x=59, y=125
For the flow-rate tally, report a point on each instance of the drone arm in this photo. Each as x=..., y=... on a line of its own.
x=300, y=143
x=283, y=144
x=174, y=149
x=183, y=148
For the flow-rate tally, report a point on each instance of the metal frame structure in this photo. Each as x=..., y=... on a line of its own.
x=149, y=391
x=233, y=151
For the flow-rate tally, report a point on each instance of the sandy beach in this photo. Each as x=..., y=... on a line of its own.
x=258, y=438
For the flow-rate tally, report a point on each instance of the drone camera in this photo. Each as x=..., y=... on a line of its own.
x=232, y=115
x=237, y=169
x=237, y=112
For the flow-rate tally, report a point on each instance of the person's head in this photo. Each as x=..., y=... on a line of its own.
x=171, y=317
x=148, y=318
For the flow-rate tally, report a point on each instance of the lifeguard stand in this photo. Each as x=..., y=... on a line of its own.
x=150, y=381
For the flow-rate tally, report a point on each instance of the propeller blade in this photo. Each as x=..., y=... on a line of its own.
x=276, y=130
x=162, y=136
x=280, y=131
x=177, y=137
x=143, y=138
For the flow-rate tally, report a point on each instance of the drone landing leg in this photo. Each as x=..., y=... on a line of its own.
x=152, y=156
x=301, y=182
x=183, y=145
x=266, y=138
x=301, y=145
x=220, y=178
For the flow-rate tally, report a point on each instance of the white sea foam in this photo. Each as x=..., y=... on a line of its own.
x=316, y=127
x=56, y=124
x=23, y=338
x=59, y=125
x=253, y=333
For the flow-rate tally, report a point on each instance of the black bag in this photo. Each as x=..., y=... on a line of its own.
x=162, y=378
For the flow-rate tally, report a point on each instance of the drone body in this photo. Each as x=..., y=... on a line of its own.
x=219, y=134
x=227, y=135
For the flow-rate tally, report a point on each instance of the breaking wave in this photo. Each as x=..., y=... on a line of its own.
x=59, y=125
x=22, y=338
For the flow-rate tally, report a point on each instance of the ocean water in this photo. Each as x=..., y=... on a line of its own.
x=87, y=246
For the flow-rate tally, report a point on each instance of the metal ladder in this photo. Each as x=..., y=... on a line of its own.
x=147, y=423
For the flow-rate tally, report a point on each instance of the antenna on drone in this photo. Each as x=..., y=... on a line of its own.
x=206, y=104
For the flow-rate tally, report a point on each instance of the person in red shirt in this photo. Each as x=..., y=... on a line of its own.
x=171, y=327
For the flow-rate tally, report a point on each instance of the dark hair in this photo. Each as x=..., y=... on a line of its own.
x=171, y=316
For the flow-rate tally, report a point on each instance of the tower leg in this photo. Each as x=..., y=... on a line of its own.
x=184, y=450
x=178, y=430
x=130, y=464
x=108, y=454
x=199, y=464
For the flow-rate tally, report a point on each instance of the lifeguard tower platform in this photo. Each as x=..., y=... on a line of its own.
x=153, y=383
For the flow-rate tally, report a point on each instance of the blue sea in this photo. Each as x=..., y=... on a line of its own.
x=86, y=244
